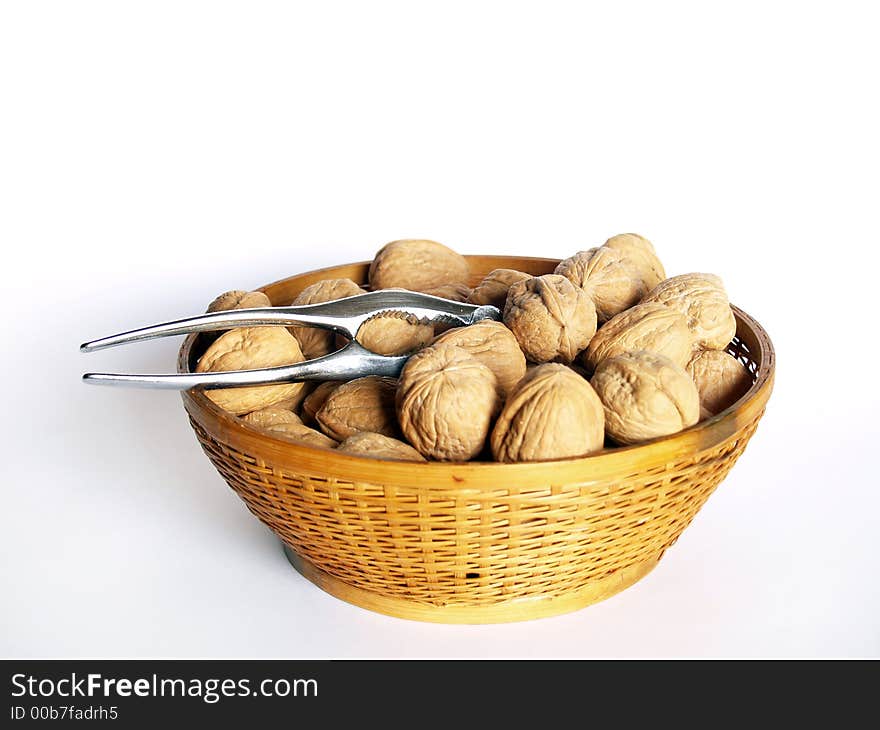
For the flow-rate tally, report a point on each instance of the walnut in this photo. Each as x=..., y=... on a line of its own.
x=377, y=446
x=720, y=378
x=315, y=341
x=234, y=299
x=645, y=396
x=295, y=403
x=494, y=286
x=417, y=265
x=300, y=433
x=641, y=250
x=646, y=326
x=701, y=298
x=456, y=292
x=239, y=299
x=316, y=399
x=493, y=345
x=552, y=319
x=251, y=348
x=271, y=416
x=327, y=290
x=446, y=400
x=394, y=333
x=611, y=277
x=553, y=413
x=364, y=404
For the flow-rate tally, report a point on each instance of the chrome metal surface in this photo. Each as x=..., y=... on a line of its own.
x=344, y=316
x=352, y=361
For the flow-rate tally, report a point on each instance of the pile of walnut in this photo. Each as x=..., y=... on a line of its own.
x=604, y=351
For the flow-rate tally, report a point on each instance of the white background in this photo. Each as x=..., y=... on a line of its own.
x=155, y=154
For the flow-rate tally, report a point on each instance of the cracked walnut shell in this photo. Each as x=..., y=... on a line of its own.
x=418, y=265
x=446, y=400
x=645, y=396
x=701, y=298
x=647, y=326
x=553, y=413
x=551, y=318
x=251, y=348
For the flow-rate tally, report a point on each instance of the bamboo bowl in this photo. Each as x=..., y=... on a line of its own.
x=478, y=542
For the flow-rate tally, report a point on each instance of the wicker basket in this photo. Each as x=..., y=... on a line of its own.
x=478, y=542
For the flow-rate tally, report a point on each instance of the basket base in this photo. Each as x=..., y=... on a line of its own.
x=523, y=609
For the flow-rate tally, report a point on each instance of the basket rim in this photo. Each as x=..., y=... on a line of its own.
x=707, y=434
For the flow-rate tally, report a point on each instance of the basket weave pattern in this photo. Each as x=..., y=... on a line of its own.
x=427, y=536
x=474, y=549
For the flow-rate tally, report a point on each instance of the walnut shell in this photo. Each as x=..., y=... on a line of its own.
x=234, y=299
x=552, y=414
x=446, y=400
x=552, y=319
x=720, y=378
x=315, y=341
x=701, y=298
x=251, y=348
x=294, y=404
x=647, y=326
x=495, y=285
x=394, y=333
x=377, y=446
x=300, y=433
x=645, y=396
x=316, y=399
x=417, y=265
x=611, y=278
x=364, y=404
x=455, y=292
x=640, y=250
x=271, y=416
x=493, y=345
x=239, y=299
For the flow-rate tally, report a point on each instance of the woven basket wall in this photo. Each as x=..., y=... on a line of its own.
x=479, y=542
